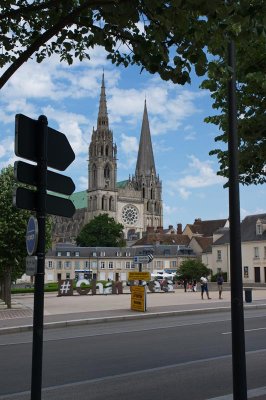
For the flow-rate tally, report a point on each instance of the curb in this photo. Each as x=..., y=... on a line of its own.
x=98, y=320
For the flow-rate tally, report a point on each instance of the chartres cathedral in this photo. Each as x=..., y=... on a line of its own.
x=136, y=203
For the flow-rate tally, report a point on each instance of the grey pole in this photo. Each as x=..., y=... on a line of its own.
x=237, y=313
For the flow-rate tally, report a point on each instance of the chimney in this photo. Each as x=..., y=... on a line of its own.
x=159, y=229
x=170, y=227
x=197, y=220
x=179, y=229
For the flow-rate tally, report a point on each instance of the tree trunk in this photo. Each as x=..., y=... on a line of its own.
x=7, y=288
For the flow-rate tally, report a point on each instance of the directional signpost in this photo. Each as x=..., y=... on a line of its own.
x=138, y=293
x=36, y=141
x=28, y=173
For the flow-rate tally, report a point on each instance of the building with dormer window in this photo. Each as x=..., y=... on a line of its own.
x=253, y=246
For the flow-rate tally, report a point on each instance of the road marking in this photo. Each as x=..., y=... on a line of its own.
x=246, y=330
x=135, y=330
x=252, y=393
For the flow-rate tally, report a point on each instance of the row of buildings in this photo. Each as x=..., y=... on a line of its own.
x=205, y=240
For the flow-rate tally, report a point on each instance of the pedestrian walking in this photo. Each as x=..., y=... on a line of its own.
x=204, y=287
x=220, y=281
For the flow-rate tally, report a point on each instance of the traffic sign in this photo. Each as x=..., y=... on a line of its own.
x=138, y=276
x=31, y=265
x=28, y=173
x=28, y=199
x=32, y=236
x=138, y=298
x=59, y=152
x=141, y=259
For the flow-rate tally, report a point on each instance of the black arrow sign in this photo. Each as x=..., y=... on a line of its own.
x=59, y=152
x=28, y=200
x=27, y=173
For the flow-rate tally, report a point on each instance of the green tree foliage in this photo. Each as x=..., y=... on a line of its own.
x=172, y=38
x=251, y=106
x=192, y=269
x=101, y=231
x=168, y=37
x=13, y=225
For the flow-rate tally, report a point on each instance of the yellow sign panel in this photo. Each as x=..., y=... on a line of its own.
x=138, y=298
x=139, y=276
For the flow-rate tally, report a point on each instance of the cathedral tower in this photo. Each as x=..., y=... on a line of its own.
x=102, y=168
x=146, y=179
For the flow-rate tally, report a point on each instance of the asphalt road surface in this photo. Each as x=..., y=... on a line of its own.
x=173, y=357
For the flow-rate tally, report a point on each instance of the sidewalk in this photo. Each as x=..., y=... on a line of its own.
x=77, y=309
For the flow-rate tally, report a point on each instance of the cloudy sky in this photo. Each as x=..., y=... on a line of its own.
x=69, y=97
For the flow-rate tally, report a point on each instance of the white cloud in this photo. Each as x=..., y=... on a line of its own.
x=15, y=106
x=2, y=151
x=82, y=183
x=190, y=136
x=189, y=133
x=69, y=123
x=10, y=161
x=199, y=174
x=184, y=194
x=129, y=144
x=202, y=175
x=169, y=210
x=167, y=106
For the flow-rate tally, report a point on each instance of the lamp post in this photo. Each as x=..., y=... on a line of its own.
x=237, y=313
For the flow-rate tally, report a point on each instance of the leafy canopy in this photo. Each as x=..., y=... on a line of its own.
x=192, y=269
x=101, y=231
x=251, y=106
x=168, y=37
x=172, y=38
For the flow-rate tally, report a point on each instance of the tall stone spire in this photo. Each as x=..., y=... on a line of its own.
x=102, y=121
x=145, y=162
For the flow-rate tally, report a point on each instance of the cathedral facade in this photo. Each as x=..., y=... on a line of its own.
x=136, y=203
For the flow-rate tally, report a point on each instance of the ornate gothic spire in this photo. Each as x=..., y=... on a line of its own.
x=145, y=162
x=102, y=121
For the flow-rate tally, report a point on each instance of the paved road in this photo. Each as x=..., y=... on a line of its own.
x=186, y=357
x=78, y=310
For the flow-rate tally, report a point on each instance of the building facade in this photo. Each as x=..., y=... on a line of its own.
x=253, y=247
x=136, y=203
x=114, y=263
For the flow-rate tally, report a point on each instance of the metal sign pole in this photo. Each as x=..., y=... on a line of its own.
x=237, y=313
x=37, y=343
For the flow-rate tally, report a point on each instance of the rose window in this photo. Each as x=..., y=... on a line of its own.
x=130, y=215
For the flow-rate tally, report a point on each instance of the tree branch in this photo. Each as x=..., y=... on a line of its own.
x=47, y=35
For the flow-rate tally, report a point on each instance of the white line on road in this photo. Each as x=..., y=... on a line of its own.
x=246, y=330
x=141, y=372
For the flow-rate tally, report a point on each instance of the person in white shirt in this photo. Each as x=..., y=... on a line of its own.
x=204, y=286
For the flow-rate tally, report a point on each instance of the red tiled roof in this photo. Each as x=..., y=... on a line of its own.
x=207, y=228
x=204, y=242
x=162, y=238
